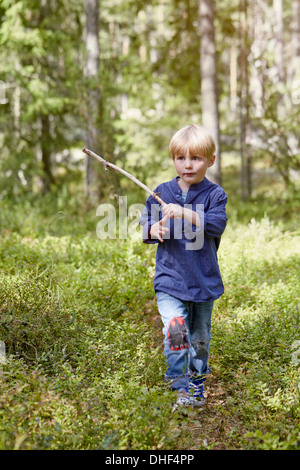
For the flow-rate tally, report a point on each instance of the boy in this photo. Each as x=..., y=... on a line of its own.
x=187, y=277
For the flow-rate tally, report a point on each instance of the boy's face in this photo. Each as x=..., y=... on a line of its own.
x=192, y=168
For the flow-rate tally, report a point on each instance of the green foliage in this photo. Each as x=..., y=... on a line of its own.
x=256, y=331
x=33, y=318
x=149, y=85
x=38, y=57
x=84, y=363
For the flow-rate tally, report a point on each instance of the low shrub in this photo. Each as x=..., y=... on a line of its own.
x=84, y=365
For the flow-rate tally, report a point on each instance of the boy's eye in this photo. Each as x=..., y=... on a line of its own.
x=193, y=157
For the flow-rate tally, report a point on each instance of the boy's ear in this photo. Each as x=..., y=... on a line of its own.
x=211, y=160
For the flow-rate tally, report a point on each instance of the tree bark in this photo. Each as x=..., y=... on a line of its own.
x=279, y=53
x=45, y=138
x=278, y=36
x=258, y=46
x=47, y=178
x=209, y=88
x=93, y=94
x=246, y=164
x=233, y=77
x=295, y=42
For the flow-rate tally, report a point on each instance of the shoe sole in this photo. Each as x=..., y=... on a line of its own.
x=188, y=403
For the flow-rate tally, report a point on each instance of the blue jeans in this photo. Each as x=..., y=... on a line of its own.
x=186, y=338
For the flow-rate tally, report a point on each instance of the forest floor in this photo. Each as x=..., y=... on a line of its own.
x=84, y=342
x=210, y=426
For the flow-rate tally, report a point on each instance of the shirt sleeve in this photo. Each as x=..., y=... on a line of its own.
x=215, y=218
x=150, y=215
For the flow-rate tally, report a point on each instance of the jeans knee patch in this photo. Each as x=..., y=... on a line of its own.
x=177, y=334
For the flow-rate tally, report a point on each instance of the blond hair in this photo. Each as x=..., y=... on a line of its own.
x=194, y=138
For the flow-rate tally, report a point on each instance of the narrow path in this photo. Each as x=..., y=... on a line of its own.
x=218, y=424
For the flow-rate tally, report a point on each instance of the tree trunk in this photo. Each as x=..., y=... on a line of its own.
x=279, y=53
x=295, y=43
x=233, y=77
x=45, y=138
x=278, y=36
x=246, y=167
x=93, y=95
x=209, y=89
x=258, y=46
x=47, y=178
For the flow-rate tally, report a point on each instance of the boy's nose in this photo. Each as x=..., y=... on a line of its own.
x=188, y=163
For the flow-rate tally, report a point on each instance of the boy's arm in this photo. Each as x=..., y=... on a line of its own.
x=175, y=211
x=215, y=218
x=153, y=229
x=157, y=230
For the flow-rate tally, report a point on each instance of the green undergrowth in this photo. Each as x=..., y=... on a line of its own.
x=82, y=366
x=256, y=332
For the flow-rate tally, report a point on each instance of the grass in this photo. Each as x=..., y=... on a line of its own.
x=84, y=365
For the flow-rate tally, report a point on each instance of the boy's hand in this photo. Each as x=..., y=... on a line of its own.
x=173, y=211
x=158, y=230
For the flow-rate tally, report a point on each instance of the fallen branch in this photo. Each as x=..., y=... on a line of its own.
x=105, y=163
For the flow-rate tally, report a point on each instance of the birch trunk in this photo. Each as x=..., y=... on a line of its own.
x=295, y=42
x=209, y=89
x=93, y=95
x=246, y=167
x=279, y=53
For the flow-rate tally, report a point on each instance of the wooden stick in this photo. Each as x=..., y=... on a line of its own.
x=105, y=163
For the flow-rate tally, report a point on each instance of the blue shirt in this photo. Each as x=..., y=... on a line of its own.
x=186, y=271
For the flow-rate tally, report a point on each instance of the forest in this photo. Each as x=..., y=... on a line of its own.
x=81, y=355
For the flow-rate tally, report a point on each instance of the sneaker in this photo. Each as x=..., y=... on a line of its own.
x=196, y=393
x=184, y=398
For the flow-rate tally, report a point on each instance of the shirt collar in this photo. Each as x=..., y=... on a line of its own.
x=193, y=187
